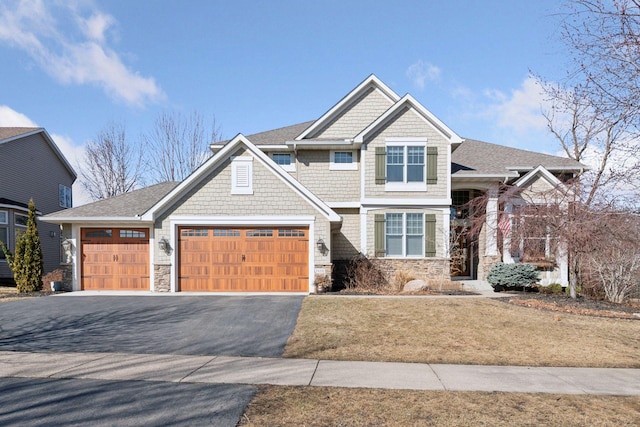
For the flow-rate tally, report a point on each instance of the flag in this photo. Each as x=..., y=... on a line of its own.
x=505, y=224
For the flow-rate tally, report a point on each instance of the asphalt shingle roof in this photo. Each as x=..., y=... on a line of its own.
x=473, y=157
x=278, y=136
x=10, y=132
x=126, y=205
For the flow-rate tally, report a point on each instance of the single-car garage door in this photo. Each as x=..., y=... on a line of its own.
x=115, y=259
x=264, y=259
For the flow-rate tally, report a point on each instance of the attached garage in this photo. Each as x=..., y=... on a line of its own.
x=228, y=259
x=115, y=259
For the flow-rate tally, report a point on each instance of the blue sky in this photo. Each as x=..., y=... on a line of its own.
x=74, y=66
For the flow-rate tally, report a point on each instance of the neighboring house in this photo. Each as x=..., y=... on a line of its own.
x=377, y=174
x=32, y=167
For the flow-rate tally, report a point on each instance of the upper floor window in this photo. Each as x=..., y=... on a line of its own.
x=406, y=164
x=285, y=160
x=64, y=196
x=343, y=160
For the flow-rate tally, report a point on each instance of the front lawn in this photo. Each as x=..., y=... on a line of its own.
x=459, y=331
x=326, y=406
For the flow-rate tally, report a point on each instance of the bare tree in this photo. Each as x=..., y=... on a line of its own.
x=595, y=114
x=111, y=166
x=590, y=137
x=180, y=145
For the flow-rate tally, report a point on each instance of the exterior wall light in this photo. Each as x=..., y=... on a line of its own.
x=164, y=245
x=322, y=248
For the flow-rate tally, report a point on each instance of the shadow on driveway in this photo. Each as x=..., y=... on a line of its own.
x=46, y=402
x=199, y=325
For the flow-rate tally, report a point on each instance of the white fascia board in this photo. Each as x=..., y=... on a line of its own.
x=538, y=171
x=372, y=80
x=241, y=220
x=549, y=168
x=92, y=220
x=456, y=176
x=343, y=205
x=427, y=115
x=405, y=202
x=14, y=207
x=340, y=144
x=274, y=147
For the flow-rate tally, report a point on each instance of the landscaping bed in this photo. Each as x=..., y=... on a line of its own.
x=10, y=293
x=581, y=305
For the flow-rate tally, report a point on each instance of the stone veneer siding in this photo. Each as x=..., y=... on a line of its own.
x=162, y=278
x=428, y=269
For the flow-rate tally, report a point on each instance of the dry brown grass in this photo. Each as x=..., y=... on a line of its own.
x=325, y=406
x=459, y=331
x=10, y=293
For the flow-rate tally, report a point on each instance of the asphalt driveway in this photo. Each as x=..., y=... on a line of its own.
x=188, y=325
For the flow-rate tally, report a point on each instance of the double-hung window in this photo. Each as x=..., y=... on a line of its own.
x=406, y=166
x=20, y=222
x=404, y=234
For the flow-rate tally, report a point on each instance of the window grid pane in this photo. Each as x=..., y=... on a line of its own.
x=394, y=224
x=415, y=224
x=4, y=234
x=343, y=157
x=283, y=159
x=4, y=217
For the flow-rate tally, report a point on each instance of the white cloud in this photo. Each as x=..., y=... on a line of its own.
x=421, y=72
x=521, y=110
x=11, y=118
x=79, y=55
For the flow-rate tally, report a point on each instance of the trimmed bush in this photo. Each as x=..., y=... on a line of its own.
x=512, y=275
x=552, y=288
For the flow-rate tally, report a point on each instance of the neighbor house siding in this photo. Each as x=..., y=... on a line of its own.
x=30, y=168
x=362, y=111
x=407, y=124
x=271, y=197
x=330, y=185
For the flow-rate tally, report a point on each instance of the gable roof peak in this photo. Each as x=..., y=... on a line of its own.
x=408, y=99
x=371, y=81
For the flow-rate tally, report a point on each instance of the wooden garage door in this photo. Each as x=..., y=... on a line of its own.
x=266, y=259
x=115, y=259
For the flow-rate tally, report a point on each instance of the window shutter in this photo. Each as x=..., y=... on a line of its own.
x=379, y=235
x=432, y=165
x=430, y=235
x=381, y=163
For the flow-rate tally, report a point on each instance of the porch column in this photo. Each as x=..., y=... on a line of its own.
x=506, y=237
x=491, y=223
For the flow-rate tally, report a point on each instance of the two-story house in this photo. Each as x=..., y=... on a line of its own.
x=377, y=174
x=32, y=167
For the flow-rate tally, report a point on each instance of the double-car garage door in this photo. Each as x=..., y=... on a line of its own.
x=265, y=259
x=224, y=259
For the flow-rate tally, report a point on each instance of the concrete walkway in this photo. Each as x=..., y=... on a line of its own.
x=310, y=372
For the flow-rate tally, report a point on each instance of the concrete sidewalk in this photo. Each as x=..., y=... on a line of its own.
x=310, y=372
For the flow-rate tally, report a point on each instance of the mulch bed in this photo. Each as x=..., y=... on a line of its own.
x=581, y=305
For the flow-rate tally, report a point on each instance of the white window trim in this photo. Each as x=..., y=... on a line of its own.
x=6, y=217
x=241, y=162
x=404, y=238
x=15, y=222
x=353, y=166
x=408, y=186
x=291, y=167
